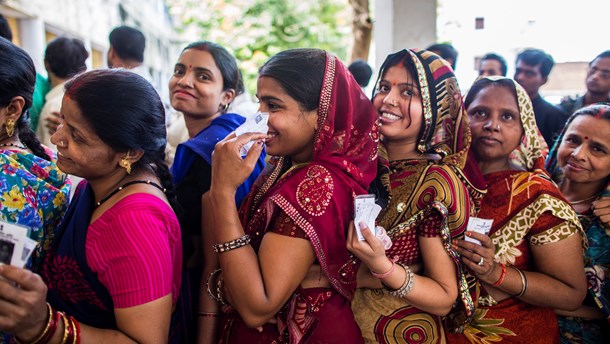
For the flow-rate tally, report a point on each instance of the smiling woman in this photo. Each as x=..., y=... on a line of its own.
x=580, y=164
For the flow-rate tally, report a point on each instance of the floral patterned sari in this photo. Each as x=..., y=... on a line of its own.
x=527, y=210
x=428, y=197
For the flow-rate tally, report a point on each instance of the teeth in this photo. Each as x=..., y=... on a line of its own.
x=390, y=116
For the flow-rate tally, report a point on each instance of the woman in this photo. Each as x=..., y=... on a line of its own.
x=580, y=164
x=205, y=82
x=113, y=272
x=531, y=262
x=294, y=222
x=33, y=191
x=426, y=137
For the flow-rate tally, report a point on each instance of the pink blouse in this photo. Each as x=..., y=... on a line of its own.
x=135, y=248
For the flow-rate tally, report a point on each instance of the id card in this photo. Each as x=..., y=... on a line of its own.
x=478, y=225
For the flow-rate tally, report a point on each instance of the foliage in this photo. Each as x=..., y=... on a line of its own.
x=254, y=30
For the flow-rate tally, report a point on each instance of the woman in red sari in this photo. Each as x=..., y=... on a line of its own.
x=322, y=137
x=531, y=262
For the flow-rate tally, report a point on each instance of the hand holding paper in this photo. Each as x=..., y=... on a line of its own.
x=256, y=123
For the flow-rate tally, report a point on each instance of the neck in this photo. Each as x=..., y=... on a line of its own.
x=497, y=165
x=576, y=192
x=127, y=64
x=55, y=80
x=591, y=98
x=104, y=185
x=4, y=138
x=196, y=123
x=534, y=96
x=402, y=150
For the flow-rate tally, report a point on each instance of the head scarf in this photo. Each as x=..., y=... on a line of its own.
x=532, y=149
x=319, y=196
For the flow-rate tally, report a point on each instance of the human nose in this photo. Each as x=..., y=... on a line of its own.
x=186, y=80
x=58, y=138
x=391, y=98
x=491, y=124
x=578, y=153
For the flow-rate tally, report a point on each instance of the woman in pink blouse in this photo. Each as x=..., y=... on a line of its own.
x=113, y=271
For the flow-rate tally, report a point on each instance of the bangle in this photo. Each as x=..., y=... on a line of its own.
x=501, y=279
x=208, y=314
x=76, y=330
x=523, y=282
x=64, y=340
x=49, y=329
x=218, y=296
x=233, y=244
x=407, y=286
x=387, y=273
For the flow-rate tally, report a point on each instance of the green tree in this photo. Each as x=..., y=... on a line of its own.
x=254, y=30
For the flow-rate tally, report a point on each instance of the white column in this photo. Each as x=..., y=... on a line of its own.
x=33, y=41
x=401, y=24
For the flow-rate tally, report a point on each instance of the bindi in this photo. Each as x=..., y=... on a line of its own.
x=586, y=137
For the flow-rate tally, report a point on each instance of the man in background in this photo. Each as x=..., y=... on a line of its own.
x=492, y=64
x=446, y=51
x=361, y=71
x=127, y=51
x=598, y=85
x=533, y=67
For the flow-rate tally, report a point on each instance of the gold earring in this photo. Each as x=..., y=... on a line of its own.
x=10, y=127
x=126, y=164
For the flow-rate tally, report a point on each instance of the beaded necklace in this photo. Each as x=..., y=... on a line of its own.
x=12, y=145
x=120, y=188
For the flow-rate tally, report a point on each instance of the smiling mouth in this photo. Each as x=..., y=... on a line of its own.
x=390, y=116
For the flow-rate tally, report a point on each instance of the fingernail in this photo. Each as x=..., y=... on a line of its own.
x=468, y=233
x=362, y=225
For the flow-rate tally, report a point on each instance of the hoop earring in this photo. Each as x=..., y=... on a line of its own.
x=224, y=108
x=10, y=127
x=125, y=163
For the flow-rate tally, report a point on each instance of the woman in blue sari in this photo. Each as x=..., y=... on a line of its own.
x=205, y=82
x=580, y=164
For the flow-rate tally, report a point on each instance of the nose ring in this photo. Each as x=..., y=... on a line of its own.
x=62, y=144
x=393, y=103
x=498, y=126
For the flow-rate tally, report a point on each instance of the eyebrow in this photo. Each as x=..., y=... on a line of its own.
x=401, y=83
x=199, y=69
x=267, y=98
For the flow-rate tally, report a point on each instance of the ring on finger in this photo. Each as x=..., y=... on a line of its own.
x=480, y=263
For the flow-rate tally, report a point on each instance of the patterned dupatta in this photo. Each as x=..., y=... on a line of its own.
x=451, y=185
x=319, y=196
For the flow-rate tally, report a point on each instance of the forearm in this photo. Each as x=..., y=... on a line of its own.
x=241, y=270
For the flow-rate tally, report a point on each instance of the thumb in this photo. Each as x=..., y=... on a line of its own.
x=254, y=153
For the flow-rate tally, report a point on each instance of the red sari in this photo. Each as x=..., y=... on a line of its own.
x=527, y=210
x=316, y=202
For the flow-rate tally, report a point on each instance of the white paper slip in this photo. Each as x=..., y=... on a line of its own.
x=256, y=123
x=12, y=241
x=478, y=225
x=365, y=210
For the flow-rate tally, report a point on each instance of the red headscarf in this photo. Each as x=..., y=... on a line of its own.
x=319, y=197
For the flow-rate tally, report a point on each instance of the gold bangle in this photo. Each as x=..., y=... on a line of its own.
x=46, y=328
x=64, y=317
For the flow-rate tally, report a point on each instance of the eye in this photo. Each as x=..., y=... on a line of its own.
x=203, y=77
x=272, y=106
x=383, y=89
x=508, y=116
x=408, y=93
x=178, y=71
x=478, y=114
x=599, y=149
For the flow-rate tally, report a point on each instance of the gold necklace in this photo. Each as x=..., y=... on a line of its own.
x=295, y=166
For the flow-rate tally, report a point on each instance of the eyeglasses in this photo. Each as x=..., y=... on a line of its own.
x=604, y=73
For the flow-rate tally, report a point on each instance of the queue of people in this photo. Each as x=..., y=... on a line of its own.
x=490, y=230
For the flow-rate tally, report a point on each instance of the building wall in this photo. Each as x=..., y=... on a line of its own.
x=36, y=22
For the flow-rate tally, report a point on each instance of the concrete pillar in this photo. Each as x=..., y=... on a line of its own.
x=33, y=41
x=402, y=24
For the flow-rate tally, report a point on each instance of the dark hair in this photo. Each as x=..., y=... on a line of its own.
x=300, y=72
x=604, y=54
x=537, y=57
x=598, y=110
x=500, y=59
x=361, y=71
x=446, y=51
x=128, y=43
x=17, y=79
x=126, y=112
x=226, y=63
x=483, y=83
x=66, y=57
x=5, y=29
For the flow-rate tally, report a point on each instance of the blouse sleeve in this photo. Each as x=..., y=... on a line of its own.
x=134, y=256
x=284, y=225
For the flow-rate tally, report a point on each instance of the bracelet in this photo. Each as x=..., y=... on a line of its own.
x=49, y=330
x=233, y=244
x=208, y=314
x=387, y=273
x=523, y=282
x=207, y=284
x=64, y=340
x=76, y=330
x=219, y=284
x=501, y=279
x=407, y=286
